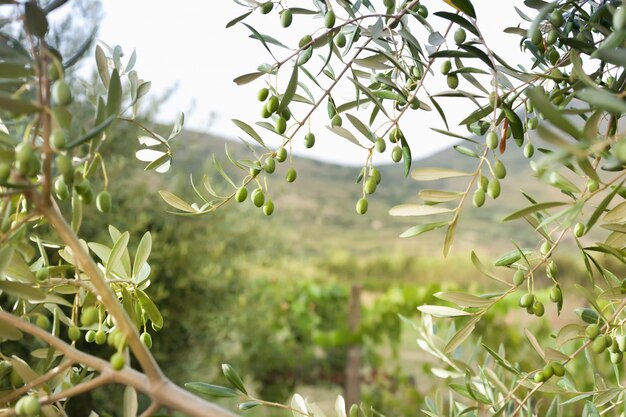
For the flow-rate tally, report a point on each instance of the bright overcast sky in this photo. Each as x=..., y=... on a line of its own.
x=185, y=43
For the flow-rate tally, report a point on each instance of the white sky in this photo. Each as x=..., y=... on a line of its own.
x=187, y=45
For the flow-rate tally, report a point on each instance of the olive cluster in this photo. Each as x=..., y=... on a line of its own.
x=616, y=345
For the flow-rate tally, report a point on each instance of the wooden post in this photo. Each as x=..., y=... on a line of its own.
x=353, y=365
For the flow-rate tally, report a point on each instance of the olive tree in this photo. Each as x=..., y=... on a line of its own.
x=563, y=113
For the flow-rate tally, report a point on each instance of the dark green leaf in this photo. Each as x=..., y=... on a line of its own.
x=211, y=390
x=238, y=19
x=36, y=20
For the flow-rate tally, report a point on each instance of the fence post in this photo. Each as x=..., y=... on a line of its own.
x=353, y=365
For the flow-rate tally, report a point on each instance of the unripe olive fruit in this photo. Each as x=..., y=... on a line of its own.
x=58, y=139
x=101, y=337
x=493, y=189
x=89, y=316
x=263, y=94
x=548, y=372
x=617, y=357
x=621, y=342
x=396, y=154
x=286, y=113
x=309, y=140
x=146, y=339
x=619, y=18
x=592, y=185
x=556, y=295
x=265, y=113
x=482, y=183
x=389, y=3
x=53, y=72
x=28, y=406
x=361, y=206
x=556, y=18
x=291, y=175
x=446, y=66
x=422, y=11
x=375, y=173
x=340, y=40
x=535, y=37
x=553, y=57
x=552, y=269
x=370, y=185
x=24, y=153
x=286, y=17
x=592, y=331
x=305, y=40
x=538, y=309
x=558, y=368
x=90, y=336
x=33, y=167
x=552, y=37
x=64, y=165
x=42, y=274
x=272, y=104
x=83, y=187
x=336, y=121
x=73, y=333
x=415, y=103
x=453, y=81
x=266, y=7
x=532, y=123
x=61, y=93
x=280, y=126
x=5, y=171
x=380, y=145
x=539, y=377
x=329, y=19
x=529, y=150
x=87, y=198
x=460, y=36
x=257, y=197
x=42, y=322
x=60, y=189
x=519, y=277
x=281, y=154
x=545, y=248
x=492, y=140
x=579, y=229
x=499, y=170
x=598, y=345
x=269, y=165
x=479, y=198
x=103, y=202
x=117, y=361
x=527, y=300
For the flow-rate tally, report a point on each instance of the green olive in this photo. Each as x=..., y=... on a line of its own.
x=73, y=333
x=286, y=17
x=539, y=377
x=286, y=113
x=548, y=372
x=281, y=154
x=101, y=337
x=336, y=121
x=329, y=19
x=598, y=345
x=280, y=126
x=493, y=189
x=556, y=296
x=396, y=154
x=389, y=3
x=422, y=11
x=446, y=67
x=272, y=104
x=263, y=94
x=592, y=331
x=42, y=274
x=269, y=165
x=380, y=145
x=257, y=197
x=519, y=277
x=266, y=7
x=265, y=113
x=305, y=40
x=268, y=208
x=5, y=171
x=558, y=368
x=309, y=140
x=90, y=336
x=556, y=18
x=553, y=57
x=24, y=153
x=532, y=123
x=340, y=40
x=117, y=361
x=579, y=229
x=61, y=189
x=89, y=316
x=492, y=140
x=61, y=93
x=83, y=187
x=479, y=198
x=482, y=183
x=538, y=308
x=53, y=71
x=499, y=170
x=453, y=81
x=545, y=248
x=58, y=139
x=593, y=185
x=621, y=342
x=291, y=175
x=460, y=36
x=64, y=165
x=529, y=150
x=33, y=167
x=42, y=322
x=552, y=270
x=527, y=300
x=617, y=357
x=103, y=202
x=28, y=406
x=146, y=339
x=370, y=185
x=375, y=173
x=536, y=37
x=361, y=206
